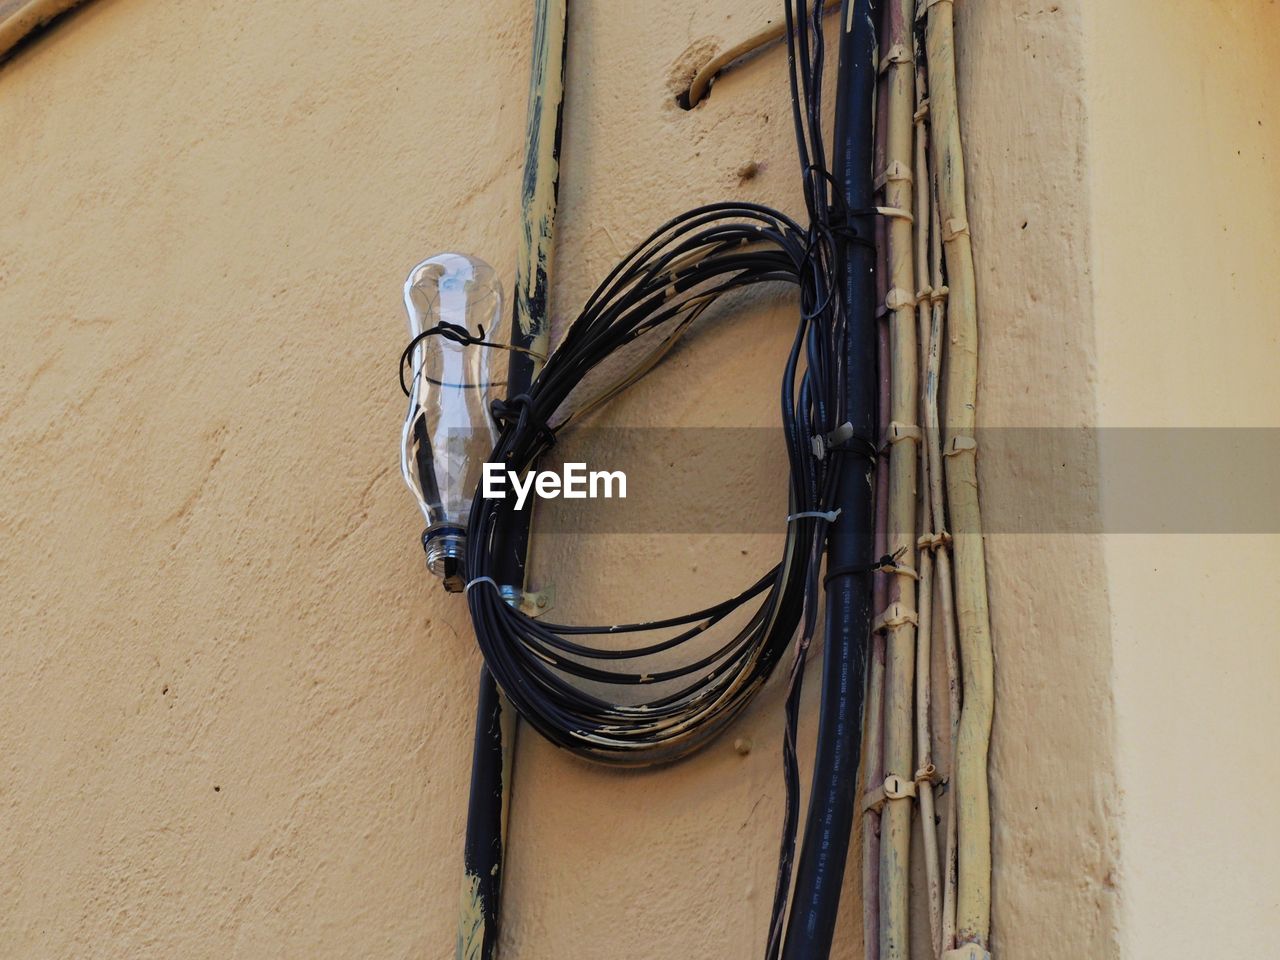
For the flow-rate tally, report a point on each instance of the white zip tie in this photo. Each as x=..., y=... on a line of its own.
x=932, y=541
x=901, y=431
x=897, y=299
x=902, y=570
x=893, y=788
x=928, y=774
x=836, y=437
x=960, y=445
x=895, y=615
x=894, y=171
x=472, y=583
x=827, y=515
x=898, y=53
x=898, y=213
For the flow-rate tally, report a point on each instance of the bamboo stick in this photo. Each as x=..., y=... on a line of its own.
x=873, y=712
x=898, y=69
x=972, y=799
x=925, y=769
x=497, y=723
x=942, y=558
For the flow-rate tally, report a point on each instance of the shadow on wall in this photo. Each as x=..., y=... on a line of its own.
x=22, y=21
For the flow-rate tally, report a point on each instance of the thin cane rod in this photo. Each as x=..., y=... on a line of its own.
x=972, y=800
x=873, y=723
x=925, y=770
x=942, y=557
x=898, y=74
x=494, y=752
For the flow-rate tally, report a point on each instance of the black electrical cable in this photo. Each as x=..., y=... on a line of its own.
x=557, y=680
x=682, y=268
x=833, y=799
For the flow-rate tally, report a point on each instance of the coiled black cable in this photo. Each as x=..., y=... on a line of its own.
x=552, y=675
x=681, y=270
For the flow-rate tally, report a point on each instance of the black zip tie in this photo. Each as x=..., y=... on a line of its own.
x=844, y=228
x=856, y=445
x=849, y=233
x=518, y=411
x=887, y=562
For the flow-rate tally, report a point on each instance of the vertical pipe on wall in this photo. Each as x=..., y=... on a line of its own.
x=940, y=545
x=486, y=824
x=926, y=772
x=873, y=762
x=972, y=799
x=873, y=717
x=494, y=751
x=833, y=800
x=897, y=66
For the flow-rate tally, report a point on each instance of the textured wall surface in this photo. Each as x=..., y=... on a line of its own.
x=1053, y=792
x=1187, y=226
x=19, y=18
x=235, y=716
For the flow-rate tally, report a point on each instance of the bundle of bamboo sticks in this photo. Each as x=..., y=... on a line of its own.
x=932, y=603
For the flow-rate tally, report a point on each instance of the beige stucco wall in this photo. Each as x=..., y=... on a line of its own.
x=235, y=716
x=1184, y=130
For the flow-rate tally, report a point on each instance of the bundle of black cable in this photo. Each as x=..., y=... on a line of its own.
x=680, y=271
